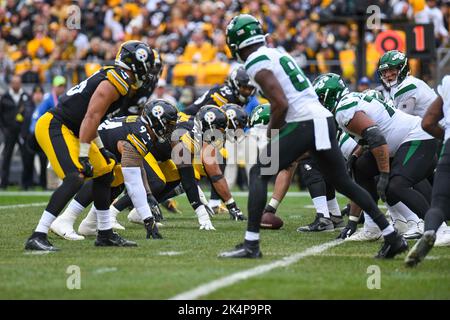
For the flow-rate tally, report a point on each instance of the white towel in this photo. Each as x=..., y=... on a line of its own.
x=321, y=134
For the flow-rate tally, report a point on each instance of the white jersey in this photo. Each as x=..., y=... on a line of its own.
x=347, y=144
x=302, y=98
x=444, y=92
x=413, y=96
x=396, y=126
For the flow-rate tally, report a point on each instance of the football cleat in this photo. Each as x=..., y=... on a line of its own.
x=242, y=251
x=113, y=240
x=88, y=227
x=220, y=209
x=365, y=235
x=421, y=248
x=413, y=231
x=171, y=206
x=338, y=221
x=319, y=224
x=65, y=230
x=442, y=236
x=390, y=249
x=134, y=217
x=39, y=243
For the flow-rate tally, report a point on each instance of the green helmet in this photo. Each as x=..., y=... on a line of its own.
x=393, y=59
x=260, y=115
x=374, y=94
x=330, y=88
x=242, y=31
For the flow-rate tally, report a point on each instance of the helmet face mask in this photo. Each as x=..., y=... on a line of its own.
x=161, y=117
x=213, y=123
x=393, y=68
x=242, y=31
x=240, y=84
x=330, y=88
x=137, y=57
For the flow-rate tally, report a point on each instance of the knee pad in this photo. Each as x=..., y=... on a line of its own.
x=309, y=174
x=73, y=180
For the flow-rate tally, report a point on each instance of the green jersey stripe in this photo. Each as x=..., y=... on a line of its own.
x=347, y=106
x=256, y=60
x=409, y=87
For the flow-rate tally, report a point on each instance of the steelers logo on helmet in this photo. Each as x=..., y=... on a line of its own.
x=210, y=117
x=231, y=114
x=158, y=111
x=141, y=54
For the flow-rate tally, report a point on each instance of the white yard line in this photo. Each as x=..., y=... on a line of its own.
x=15, y=206
x=215, y=285
x=25, y=193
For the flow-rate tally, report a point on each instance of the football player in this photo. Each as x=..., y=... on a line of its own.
x=133, y=140
x=409, y=94
x=236, y=90
x=68, y=136
x=303, y=124
x=438, y=213
x=389, y=133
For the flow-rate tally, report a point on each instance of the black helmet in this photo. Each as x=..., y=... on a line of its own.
x=237, y=117
x=137, y=57
x=212, y=118
x=161, y=116
x=240, y=84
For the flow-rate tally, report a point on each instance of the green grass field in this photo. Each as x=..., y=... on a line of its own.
x=187, y=258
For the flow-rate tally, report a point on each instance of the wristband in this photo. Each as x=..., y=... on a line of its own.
x=230, y=201
x=98, y=142
x=353, y=218
x=84, y=149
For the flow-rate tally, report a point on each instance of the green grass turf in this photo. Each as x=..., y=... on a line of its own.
x=146, y=273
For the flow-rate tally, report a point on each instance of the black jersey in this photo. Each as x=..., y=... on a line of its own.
x=73, y=104
x=133, y=130
x=188, y=131
x=217, y=96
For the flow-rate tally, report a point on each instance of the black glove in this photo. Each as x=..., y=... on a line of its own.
x=108, y=155
x=349, y=229
x=86, y=167
x=382, y=184
x=154, y=207
x=152, y=228
x=235, y=212
x=346, y=210
x=350, y=164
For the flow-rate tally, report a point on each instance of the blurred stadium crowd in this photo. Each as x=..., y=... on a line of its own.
x=46, y=46
x=43, y=38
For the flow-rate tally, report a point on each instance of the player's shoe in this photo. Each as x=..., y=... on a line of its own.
x=390, y=249
x=220, y=209
x=39, y=242
x=413, y=231
x=338, y=221
x=442, y=236
x=364, y=234
x=113, y=240
x=134, y=217
x=115, y=224
x=88, y=227
x=64, y=229
x=171, y=206
x=242, y=251
x=318, y=225
x=421, y=248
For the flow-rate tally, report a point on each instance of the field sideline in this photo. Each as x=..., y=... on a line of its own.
x=185, y=265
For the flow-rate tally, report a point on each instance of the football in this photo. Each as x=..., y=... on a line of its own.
x=271, y=221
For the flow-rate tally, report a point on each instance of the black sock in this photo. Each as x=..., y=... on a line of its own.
x=39, y=235
x=105, y=233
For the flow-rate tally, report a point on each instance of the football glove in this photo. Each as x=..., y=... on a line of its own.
x=108, y=155
x=235, y=212
x=86, y=167
x=349, y=229
x=203, y=218
x=152, y=228
x=382, y=184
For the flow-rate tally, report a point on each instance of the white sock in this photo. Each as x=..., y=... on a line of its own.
x=388, y=230
x=91, y=216
x=406, y=212
x=395, y=215
x=44, y=224
x=114, y=212
x=333, y=207
x=251, y=236
x=103, y=219
x=320, y=203
x=274, y=203
x=214, y=202
x=202, y=196
x=72, y=211
x=369, y=224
